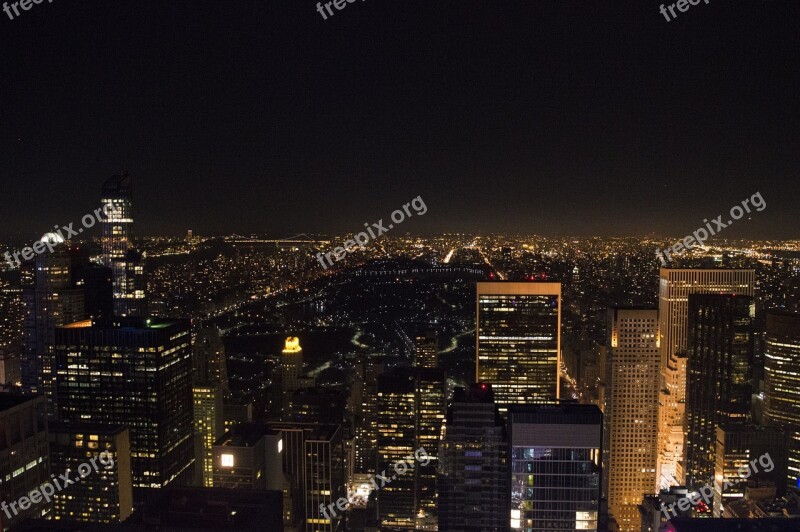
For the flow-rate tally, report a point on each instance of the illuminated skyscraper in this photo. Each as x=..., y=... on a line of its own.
x=291, y=371
x=52, y=301
x=631, y=412
x=431, y=406
x=720, y=372
x=473, y=483
x=675, y=285
x=427, y=349
x=555, y=467
x=127, y=270
x=396, y=421
x=782, y=383
x=366, y=437
x=519, y=340
x=137, y=373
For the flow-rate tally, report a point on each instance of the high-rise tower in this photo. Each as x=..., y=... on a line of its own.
x=720, y=372
x=127, y=270
x=519, y=340
x=631, y=411
x=675, y=285
x=782, y=383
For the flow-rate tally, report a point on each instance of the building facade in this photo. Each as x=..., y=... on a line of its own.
x=519, y=340
x=631, y=412
x=675, y=285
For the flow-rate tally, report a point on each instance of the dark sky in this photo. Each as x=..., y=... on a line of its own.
x=552, y=117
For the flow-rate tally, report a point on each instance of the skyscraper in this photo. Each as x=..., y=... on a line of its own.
x=631, y=412
x=104, y=495
x=52, y=301
x=782, y=383
x=132, y=372
x=396, y=421
x=431, y=406
x=555, y=467
x=720, y=372
x=427, y=349
x=291, y=370
x=126, y=268
x=209, y=385
x=519, y=340
x=473, y=482
x=675, y=285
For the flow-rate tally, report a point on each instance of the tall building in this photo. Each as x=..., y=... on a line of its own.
x=249, y=457
x=720, y=373
x=126, y=269
x=631, y=412
x=426, y=346
x=291, y=371
x=52, y=301
x=395, y=425
x=24, y=458
x=431, y=407
x=675, y=285
x=742, y=445
x=366, y=437
x=318, y=405
x=555, y=467
x=10, y=367
x=473, y=483
x=137, y=373
x=519, y=340
x=782, y=383
x=314, y=462
x=209, y=386
x=104, y=495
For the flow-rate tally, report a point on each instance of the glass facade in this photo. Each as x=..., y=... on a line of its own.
x=518, y=340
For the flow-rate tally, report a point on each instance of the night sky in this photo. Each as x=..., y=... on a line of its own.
x=542, y=117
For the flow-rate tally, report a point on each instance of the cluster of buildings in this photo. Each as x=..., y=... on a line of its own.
x=692, y=394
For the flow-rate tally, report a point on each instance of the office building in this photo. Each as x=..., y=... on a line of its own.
x=741, y=445
x=426, y=349
x=519, y=340
x=52, y=301
x=105, y=494
x=675, y=286
x=127, y=271
x=473, y=481
x=431, y=407
x=249, y=457
x=24, y=457
x=631, y=411
x=720, y=372
x=209, y=386
x=395, y=425
x=291, y=373
x=313, y=459
x=555, y=471
x=782, y=383
x=136, y=373
x=366, y=436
